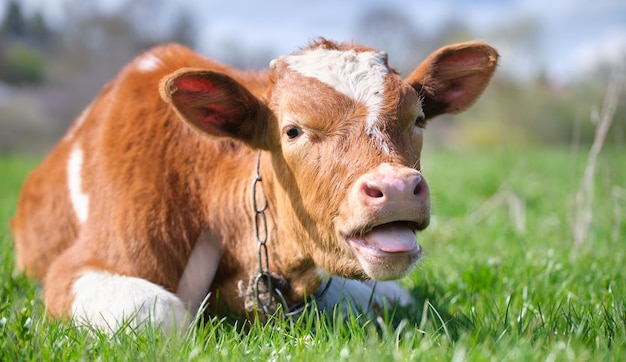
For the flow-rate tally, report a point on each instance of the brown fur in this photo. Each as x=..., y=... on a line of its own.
x=155, y=184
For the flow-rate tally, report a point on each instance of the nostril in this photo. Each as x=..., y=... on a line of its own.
x=418, y=186
x=372, y=191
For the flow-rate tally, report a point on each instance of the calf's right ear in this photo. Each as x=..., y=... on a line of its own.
x=216, y=104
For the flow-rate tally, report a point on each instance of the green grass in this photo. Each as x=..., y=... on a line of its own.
x=494, y=285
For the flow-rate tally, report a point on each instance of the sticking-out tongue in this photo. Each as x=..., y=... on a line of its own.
x=392, y=238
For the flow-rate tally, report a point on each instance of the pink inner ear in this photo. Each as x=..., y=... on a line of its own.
x=464, y=63
x=211, y=118
x=454, y=91
x=193, y=84
x=462, y=59
x=212, y=103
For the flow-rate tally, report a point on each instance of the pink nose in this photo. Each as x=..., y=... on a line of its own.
x=393, y=187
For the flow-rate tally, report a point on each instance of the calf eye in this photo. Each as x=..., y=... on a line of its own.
x=293, y=132
x=420, y=121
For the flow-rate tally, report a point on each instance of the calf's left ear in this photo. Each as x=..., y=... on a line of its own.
x=216, y=104
x=453, y=77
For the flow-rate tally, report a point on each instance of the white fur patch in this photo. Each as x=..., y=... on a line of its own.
x=107, y=301
x=362, y=296
x=80, y=200
x=358, y=75
x=200, y=271
x=149, y=62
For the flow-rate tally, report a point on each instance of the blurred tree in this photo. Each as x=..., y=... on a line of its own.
x=184, y=30
x=22, y=64
x=167, y=22
x=21, y=56
x=390, y=30
x=13, y=25
x=39, y=32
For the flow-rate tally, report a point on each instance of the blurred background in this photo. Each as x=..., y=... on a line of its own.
x=557, y=56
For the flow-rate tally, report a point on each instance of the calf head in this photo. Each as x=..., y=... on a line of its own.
x=343, y=133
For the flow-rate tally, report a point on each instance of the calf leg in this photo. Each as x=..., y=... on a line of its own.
x=105, y=300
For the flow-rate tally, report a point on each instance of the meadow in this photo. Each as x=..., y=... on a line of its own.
x=502, y=278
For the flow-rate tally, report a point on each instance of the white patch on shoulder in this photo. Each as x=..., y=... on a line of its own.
x=358, y=75
x=200, y=271
x=108, y=301
x=80, y=200
x=149, y=62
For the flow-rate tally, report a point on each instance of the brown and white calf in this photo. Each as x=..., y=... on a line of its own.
x=144, y=207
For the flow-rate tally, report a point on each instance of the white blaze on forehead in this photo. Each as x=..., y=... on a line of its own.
x=358, y=75
x=80, y=200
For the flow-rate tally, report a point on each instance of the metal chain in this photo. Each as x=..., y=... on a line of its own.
x=260, y=229
x=264, y=278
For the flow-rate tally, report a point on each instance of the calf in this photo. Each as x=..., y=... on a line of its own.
x=186, y=178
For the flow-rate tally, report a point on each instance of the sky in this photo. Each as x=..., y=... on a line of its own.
x=572, y=35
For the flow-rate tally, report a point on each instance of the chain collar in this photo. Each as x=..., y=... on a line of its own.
x=267, y=294
x=263, y=280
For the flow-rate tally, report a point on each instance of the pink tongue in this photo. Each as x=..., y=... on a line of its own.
x=391, y=238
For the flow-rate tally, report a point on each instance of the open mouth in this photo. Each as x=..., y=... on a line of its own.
x=388, y=240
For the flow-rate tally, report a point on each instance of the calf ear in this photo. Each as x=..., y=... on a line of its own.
x=453, y=77
x=214, y=103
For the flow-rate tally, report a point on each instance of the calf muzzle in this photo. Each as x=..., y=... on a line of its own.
x=387, y=207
